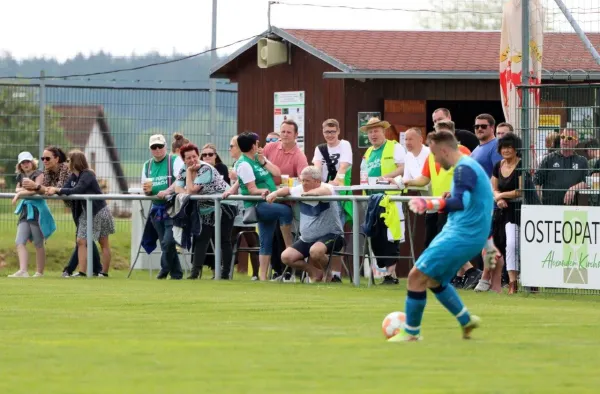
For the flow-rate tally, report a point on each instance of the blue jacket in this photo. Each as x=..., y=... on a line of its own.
x=150, y=236
x=46, y=220
x=373, y=215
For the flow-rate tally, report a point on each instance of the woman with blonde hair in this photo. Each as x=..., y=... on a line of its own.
x=36, y=223
x=83, y=181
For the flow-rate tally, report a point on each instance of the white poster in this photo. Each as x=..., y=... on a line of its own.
x=290, y=106
x=559, y=247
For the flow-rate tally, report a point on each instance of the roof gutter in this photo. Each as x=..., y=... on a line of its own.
x=479, y=75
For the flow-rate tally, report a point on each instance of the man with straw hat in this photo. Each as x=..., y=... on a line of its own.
x=384, y=159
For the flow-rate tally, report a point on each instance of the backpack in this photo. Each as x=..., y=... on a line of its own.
x=331, y=170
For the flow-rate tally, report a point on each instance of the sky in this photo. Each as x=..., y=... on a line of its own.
x=62, y=28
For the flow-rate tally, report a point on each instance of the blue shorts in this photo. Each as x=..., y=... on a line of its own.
x=446, y=255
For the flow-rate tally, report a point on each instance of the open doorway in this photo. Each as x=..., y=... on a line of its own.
x=464, y=112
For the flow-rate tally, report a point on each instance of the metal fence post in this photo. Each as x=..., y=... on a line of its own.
x=355, y=243
x=42, y=128
x=525, y=91
x=90, y=236
x=218, y=239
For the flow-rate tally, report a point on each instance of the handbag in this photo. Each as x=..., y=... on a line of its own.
x=250, y=215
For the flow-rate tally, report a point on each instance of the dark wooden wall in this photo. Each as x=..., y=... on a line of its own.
x=256, y=86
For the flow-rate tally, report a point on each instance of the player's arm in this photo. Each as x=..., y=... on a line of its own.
x=465, y=180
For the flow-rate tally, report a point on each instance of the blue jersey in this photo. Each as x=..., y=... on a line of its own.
x=471, y=201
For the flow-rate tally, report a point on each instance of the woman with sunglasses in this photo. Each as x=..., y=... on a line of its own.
x=200, y=177
x=209, y=155
x=56, y=173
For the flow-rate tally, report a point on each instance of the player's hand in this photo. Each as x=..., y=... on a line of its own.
x=490, y=255
x=418, y=205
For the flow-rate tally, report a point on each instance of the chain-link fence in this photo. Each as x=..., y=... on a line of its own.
x=111, y=126
x=561, y=188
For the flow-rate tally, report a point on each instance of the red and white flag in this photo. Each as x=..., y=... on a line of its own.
x=511, y=54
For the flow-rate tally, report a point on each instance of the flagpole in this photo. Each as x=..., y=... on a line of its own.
x=525, y=90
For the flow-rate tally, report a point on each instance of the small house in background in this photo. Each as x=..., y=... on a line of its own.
x=86, y=129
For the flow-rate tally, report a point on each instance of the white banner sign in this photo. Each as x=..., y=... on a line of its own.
x=290, y=106
x=559, y=247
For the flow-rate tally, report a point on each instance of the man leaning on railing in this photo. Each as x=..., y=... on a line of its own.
x=158, y=176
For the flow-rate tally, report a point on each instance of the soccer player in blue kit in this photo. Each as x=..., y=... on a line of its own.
x=467, y=231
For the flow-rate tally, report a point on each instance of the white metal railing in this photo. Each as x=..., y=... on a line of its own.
x=89, y=198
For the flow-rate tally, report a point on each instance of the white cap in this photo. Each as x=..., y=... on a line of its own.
x=157, y=139
x=24, y=156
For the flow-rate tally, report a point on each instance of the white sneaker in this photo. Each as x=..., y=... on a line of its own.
x=483, y=285
x=19, y=274
x=38, y=275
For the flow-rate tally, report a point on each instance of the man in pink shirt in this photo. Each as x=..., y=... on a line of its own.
x=286, y=154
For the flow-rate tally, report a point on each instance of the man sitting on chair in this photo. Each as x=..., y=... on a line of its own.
x=321, y=230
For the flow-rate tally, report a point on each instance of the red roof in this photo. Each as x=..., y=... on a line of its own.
x=439, y=50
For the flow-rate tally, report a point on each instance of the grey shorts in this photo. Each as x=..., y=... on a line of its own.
x=28, y=231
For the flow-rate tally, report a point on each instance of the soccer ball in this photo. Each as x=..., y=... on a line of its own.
x=393, y=323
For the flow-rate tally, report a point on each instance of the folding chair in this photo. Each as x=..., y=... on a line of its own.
x=237, y=248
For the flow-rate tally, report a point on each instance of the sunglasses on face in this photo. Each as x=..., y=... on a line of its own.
x=480, y=126
x=207, y=155
x=272, y=139
x=46, y=158
x=155, y=147
x=568, y=137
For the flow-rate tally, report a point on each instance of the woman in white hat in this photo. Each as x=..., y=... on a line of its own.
x=36, y=223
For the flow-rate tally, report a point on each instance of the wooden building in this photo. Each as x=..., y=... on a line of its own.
x=404, y=75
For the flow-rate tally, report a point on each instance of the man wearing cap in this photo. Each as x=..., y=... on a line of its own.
x=158, y=176
x=384, y=159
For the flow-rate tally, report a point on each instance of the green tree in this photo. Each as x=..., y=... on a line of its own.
x=19, y=127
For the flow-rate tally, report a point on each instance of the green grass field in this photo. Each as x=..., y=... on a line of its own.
x=146, y=336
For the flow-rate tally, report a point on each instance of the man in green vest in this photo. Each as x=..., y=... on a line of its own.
x=384, y=159
x=441, y=183
x=158, y=176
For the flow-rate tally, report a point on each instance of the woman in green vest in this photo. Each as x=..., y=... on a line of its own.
x=255, y=178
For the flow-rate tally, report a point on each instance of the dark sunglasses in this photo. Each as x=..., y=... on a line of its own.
x=46, y=158
x=207, y=155
x=155, y=147
x=480, y=126
x=568, y=137
x=272, y=139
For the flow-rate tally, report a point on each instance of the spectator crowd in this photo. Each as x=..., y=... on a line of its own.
x=301, y=236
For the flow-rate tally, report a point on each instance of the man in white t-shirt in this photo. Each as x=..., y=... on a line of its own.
x=334, y=159
x=321, y=231
x=339, y=152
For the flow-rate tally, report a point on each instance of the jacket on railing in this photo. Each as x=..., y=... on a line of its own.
x=187, y=222
x=373, y=215
x=45, y=218
x=380, y=208
x=150, y=236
